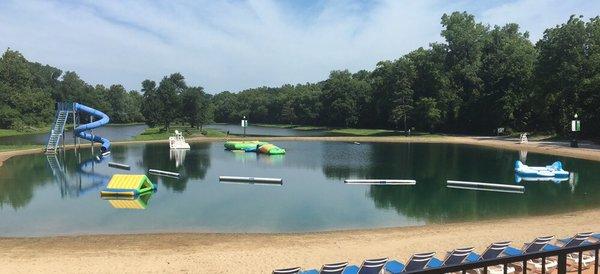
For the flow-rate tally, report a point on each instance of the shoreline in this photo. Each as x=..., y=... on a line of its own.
x=586, y=150
x=261, y=253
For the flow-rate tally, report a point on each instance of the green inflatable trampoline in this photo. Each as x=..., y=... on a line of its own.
x=243, y=145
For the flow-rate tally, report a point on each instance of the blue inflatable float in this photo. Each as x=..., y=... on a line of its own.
x=554, y=170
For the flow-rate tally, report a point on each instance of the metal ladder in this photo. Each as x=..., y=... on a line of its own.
x=57, y=131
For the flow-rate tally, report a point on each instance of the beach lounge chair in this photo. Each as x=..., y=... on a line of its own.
x=493, y=251
x=455, y=257
x=537, y=245
x=577, y=240
x=291, y=270
x=371, y=266
x=418, y=261
x=336, y=268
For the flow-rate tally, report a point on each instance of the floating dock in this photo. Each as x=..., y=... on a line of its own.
x=128, y=185
x=391, y=182
x=480, y=186
x=250, y=180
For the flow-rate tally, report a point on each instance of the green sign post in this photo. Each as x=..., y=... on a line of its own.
x=575, y=129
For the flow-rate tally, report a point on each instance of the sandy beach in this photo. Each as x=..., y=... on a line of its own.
x=261, y=253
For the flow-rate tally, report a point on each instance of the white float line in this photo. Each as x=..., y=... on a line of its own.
x=250, y=183
x=488, y=189
x=237, y=179
x=451, y=182
x=106, y=153
x=380, y=182
x=117, y=165
x=163, y=173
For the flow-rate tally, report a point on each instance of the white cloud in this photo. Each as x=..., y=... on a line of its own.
x=232, y=45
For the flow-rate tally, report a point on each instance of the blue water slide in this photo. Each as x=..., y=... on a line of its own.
x=80, y=131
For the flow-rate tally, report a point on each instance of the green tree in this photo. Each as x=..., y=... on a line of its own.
x=195, y=106
x=152, y=105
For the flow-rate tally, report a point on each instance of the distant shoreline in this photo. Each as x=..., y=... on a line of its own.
x=586, y=151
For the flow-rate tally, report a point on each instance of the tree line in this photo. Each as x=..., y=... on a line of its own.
x=28, y=92
x=477, y=79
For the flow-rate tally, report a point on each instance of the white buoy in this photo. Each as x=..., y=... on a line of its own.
x=250, y=180
x=117, y=165
x=381, y=182
x=163, y=173
x=480, y=184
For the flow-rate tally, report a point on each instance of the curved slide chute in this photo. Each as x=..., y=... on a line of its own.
x=80, y=131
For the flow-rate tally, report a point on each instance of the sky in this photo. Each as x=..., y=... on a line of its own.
x=237, y=44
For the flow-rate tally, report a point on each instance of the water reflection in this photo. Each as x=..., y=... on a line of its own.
x=194, y=165
x=313, y=197
x=178, y=155
x=130, y=202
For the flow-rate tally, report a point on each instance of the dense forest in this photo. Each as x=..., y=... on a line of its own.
x=478, y=79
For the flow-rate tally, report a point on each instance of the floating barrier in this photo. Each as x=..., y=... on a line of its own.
x=128, y=185
x=106, y=153
x=381, y=182
x=117, y=165
x=163, y=173
x=250, y=180
x=485, y=186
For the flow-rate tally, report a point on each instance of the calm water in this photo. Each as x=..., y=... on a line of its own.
x=35, y=201
x=112, y=132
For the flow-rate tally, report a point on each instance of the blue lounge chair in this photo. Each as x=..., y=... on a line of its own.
x=538, y=245
x=577, y=240
x=291, y=270
x=416, y=262
x=372, y=266
x=337, y=268
x=455, y=257
x=493, y=251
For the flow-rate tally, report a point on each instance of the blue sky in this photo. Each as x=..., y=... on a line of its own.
x=238, y=44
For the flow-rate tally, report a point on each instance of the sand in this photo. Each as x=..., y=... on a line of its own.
x=261, y=253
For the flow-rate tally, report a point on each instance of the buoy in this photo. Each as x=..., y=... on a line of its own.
x=128, y=185
x=250, y=180
x=380, y=182
x=163, y=173
x=117, y=165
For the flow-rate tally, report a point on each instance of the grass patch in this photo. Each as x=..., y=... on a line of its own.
x=208, y=132
x=18, y=147
x=276, y=125
x=307, y=128
x=364, y=132
x=14, y=132
x=158, y=133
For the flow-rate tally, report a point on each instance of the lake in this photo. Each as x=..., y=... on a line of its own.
x=37, y=200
